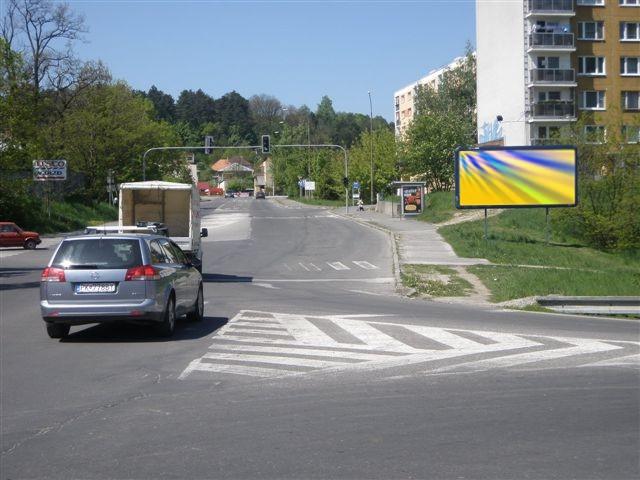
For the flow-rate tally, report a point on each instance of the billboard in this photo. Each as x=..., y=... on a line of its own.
x=503, y=177
x=411, y=199
x=44, y=170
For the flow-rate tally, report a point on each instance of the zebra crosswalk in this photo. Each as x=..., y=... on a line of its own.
x=273, y=345
x=319, y=266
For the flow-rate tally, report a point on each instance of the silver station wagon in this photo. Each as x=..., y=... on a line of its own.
x=122, y=277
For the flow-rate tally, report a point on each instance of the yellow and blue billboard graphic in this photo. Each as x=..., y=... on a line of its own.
x=516, y=177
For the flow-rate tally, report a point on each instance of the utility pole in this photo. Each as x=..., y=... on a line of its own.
x=371, y=140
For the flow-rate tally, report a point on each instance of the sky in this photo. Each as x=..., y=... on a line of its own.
x=297, y=51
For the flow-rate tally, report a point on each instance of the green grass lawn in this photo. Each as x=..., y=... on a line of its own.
x=439, y=207
x=319, y=201
x=66, y=216
x=517, y=237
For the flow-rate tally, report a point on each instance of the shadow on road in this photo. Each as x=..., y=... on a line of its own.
x=131, y=333
x=220, y=278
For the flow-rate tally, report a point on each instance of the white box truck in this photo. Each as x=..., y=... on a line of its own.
x=175, y=205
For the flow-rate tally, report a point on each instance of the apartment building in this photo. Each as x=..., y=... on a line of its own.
x=543, y=64
x=404, y=99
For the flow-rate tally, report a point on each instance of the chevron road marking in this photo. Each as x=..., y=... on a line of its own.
x=365, y=265
x=338, y=266
x=272, y=345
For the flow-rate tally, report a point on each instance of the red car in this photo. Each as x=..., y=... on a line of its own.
x=12, y=235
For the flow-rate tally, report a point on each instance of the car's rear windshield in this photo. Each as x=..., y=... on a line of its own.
x=103, y=253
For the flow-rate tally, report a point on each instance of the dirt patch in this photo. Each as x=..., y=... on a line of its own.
x=470, y=216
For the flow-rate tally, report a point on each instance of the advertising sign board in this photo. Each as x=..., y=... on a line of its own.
x=503, y=177
x=309, y=185
x=411, y=199
x=44, y=170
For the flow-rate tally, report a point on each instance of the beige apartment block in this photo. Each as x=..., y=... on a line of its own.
x=404, y=99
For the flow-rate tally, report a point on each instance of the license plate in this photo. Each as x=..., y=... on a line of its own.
x=95, y=288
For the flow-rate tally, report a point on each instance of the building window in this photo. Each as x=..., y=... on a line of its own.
x=630, y=66
x=591, y=66
x=630, y=3
x=590, y=30
x=594, y=133
x=630, y=31
x=591, y=2
x=592, y=100
x=631, y=133
x=630, y=100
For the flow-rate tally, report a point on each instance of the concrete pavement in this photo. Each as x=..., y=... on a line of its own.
x=418, y=242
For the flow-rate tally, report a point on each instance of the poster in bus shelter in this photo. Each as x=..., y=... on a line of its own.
x=411, y=199
x=508, y=177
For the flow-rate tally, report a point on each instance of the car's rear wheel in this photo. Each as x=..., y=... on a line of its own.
x=197, y=314
x=30, y=244
x=56, y=330
x=168, y=325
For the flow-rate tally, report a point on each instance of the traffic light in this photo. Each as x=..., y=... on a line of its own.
x=345, y=182
x=266, y=144
x=208, y=142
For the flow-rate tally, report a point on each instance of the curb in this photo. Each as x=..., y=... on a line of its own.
x=606, y=305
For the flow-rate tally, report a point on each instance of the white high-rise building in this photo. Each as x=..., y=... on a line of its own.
x=542, y=64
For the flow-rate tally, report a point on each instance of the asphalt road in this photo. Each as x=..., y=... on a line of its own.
x=308, y=366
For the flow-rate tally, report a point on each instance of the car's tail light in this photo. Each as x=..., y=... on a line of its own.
x=143, y=272
x=51, y=274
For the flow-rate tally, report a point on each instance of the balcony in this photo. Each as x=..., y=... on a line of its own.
x=562, y=8
x=553, y=76
x=556, y=110
x=551, y=41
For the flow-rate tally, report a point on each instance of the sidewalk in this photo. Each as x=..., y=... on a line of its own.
x=418, y=242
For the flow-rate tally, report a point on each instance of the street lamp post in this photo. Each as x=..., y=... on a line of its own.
x=371, y=140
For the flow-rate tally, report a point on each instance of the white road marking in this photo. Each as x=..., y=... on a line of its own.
x=627, y=361
x=315, y=280
x=315, y=267
x=367, y=293
x=274, y=359
x=288, y=267
x=303, y=266
x=338, y=266
x=578, y=347
x=277, y=339
x=365, y=265
x=265, y=285
x=373, y=337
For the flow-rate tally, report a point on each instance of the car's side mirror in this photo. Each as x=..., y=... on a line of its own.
x=204, y=232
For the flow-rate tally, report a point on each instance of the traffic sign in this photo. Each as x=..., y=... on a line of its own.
x=356, y=185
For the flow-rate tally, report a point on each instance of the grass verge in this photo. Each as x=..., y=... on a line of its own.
x=434, y=281
x=319, y=201
x=517, y=237
x=67, y=217
x=438, y=207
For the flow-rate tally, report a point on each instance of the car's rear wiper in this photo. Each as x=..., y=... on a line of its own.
x=84, y=266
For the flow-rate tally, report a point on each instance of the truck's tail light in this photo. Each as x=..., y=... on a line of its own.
x=143, y=272
x=51, y=274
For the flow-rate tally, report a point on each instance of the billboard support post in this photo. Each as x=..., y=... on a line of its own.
x=547, y=231
x=486, y=225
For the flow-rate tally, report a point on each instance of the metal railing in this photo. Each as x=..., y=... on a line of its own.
x=554, y=40
x=560, y=6
x=553, y=109
x=552, y=75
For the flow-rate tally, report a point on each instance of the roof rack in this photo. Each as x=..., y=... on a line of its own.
x=106, y=229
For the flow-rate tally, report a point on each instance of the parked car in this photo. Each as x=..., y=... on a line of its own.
x=11, y=235
x=229, y=194
x=260, y=194
x=122, y=277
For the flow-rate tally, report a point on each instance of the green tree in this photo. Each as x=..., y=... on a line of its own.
x=384, y=166
x=164, y=104
x=195, y=108
x=110, y=128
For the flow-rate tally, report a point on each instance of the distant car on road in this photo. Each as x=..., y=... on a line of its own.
x=124, y=277
x=11, y=235
x=260, y=195
x=229, y=194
